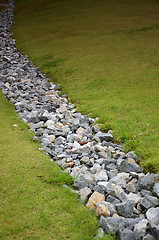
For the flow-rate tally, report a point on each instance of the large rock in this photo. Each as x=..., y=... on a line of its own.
x=154, y=230
x=101, y=176
x=94, y=199
x=140, y=227
x=111, y=225
x=152, y=215
x=147, y=181
x=149, y=201
x=125, y=209
x=127, y=234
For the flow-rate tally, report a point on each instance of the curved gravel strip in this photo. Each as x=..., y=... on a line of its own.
x=106, y=179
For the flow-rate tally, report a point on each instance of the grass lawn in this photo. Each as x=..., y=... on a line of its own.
x=105, y=55
x=31, y=208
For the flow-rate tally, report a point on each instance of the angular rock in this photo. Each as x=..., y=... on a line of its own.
x=84, y=194
x=140, y=228
x=125, y=209
x=111, y=225
x=147, y=181
x=102, y=210
x=94, y=199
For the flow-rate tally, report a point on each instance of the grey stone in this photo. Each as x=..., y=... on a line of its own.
x=110, y=206
x=154, y=230
x=125, y=209
x=147, y=181
x=145, y=193
x=80, y=184
x=132, y=155
x=118, y=181
x=101, y=176
x=112, y=199
x=84, y=194
x=127, y=234
x=149, y=201
x=118, y=192
x=152, y=215
x=104, y=136
x=141, y=227
x=156, y=189
x=111, y=225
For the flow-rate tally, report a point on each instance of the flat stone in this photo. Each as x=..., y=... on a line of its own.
x=94, y=199
x=104, y=136
x=149, y=201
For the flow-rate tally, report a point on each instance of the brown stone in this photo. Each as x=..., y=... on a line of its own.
x=95, y=198
x=102, y=210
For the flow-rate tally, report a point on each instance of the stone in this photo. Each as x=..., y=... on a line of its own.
x=127, y=234
x=110, y=206
x=154, y=230
x=111, y=225
x=156, y=189
x=135, y=197
x=52, y=138
x=102, y=210
x=149, y=201
x=118, y=181
x=78, y=185
x=127, y=166
x=59, y=125
x=101, y=176
x=141, y=227
x=147, y=181
x=84, y=194
x=84, y=159
x=81, y=131
x=133, y=186
x=100, y=234
x=62, y=108
x=132, y=155
x=152, y=215
x=125, y=209
x=104, y=136
x=94, y=199
x=49, y=124
x=119, y=193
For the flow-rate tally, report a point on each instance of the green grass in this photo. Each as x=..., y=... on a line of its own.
x=31, y=207
x=105, y=55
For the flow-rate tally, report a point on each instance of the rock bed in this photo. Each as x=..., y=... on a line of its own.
x=106, y=179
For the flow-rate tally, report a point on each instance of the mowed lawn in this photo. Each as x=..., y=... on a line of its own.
x=105, y=54
x=30, y=207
